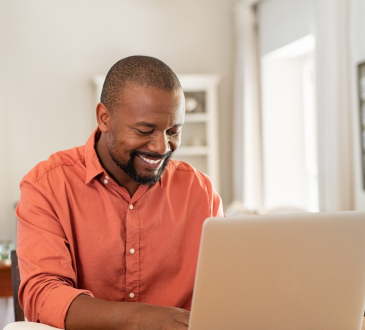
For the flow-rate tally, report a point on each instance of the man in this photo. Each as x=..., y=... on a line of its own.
x=109, y=232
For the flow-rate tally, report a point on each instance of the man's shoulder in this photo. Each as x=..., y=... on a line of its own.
x=57, y=160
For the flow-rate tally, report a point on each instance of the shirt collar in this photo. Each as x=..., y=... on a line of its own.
x=93, y=166
x=163, y=178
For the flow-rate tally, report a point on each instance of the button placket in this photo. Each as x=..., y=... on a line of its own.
x=132, y=258
x=132, y=272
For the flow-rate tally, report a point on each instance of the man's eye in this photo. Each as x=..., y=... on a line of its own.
x=144, y=133
x=173, y=132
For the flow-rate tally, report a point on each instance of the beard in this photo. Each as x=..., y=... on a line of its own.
x=130, y=169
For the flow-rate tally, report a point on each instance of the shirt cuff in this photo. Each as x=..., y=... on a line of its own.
x=55, y=308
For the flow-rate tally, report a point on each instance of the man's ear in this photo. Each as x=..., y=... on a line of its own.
x=103, y=117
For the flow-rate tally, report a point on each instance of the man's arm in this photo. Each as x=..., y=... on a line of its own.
x=88, y=313
x=48, y=278
x=48, y=290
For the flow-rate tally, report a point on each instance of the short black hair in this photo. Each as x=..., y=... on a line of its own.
x=140, y=70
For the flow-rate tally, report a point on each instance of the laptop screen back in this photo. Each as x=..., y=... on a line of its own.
x=280, y=272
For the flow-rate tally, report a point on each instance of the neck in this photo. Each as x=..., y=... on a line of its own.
x=113, y=169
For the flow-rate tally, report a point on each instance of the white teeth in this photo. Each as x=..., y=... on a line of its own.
x=150, y=160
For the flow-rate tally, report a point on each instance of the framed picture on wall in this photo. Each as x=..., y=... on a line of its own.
x=361, y=84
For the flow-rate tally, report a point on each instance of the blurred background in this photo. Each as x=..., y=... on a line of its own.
x=276, y=86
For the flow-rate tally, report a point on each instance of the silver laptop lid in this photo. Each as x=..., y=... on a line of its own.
x=281, y=272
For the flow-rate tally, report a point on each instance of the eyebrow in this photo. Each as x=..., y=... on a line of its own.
x=143, y=123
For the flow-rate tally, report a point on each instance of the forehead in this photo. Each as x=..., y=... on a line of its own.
x=149, y=104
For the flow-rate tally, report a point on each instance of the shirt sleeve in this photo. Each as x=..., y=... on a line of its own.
x=216, y=205
x=46, y=263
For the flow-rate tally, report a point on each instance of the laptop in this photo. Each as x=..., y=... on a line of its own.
x=281, y=272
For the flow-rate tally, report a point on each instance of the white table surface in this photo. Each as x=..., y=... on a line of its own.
x=28, y=326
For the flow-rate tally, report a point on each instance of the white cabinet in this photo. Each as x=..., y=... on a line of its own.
x=199, y=142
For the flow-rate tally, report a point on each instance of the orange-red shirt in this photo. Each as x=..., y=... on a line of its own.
x=80, y=232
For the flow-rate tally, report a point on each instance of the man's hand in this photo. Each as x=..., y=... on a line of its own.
x=162, y=318
x=89, y=313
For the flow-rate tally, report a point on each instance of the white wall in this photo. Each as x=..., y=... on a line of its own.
x=50, y=50
x=283, y=21
x=283, y=126
x=284, y=28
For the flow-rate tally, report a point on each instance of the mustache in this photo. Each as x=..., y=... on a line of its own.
x=151, y=155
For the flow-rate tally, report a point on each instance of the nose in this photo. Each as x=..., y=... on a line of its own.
x=159, y=144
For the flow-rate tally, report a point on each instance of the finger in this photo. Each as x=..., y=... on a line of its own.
x=184, y=319
x=182, y=326
x=184, y=311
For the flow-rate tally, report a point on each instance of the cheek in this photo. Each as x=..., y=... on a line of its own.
x=175, y=142
x=129, y=142
x=132, y=142
x=119, y=147
x=111, y=142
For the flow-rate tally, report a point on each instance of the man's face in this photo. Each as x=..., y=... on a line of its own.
x=145, y=131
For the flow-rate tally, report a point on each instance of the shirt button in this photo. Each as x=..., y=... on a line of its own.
x=131, y=207
x=106, y=177
x=131, y=295
x=106, y=181
x=132, y=251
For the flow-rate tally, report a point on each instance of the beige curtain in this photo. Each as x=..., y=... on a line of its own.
x=333, y=70
x=248, y=176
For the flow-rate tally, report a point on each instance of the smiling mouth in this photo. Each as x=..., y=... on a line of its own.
x=151, y=161
x=151, y=164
